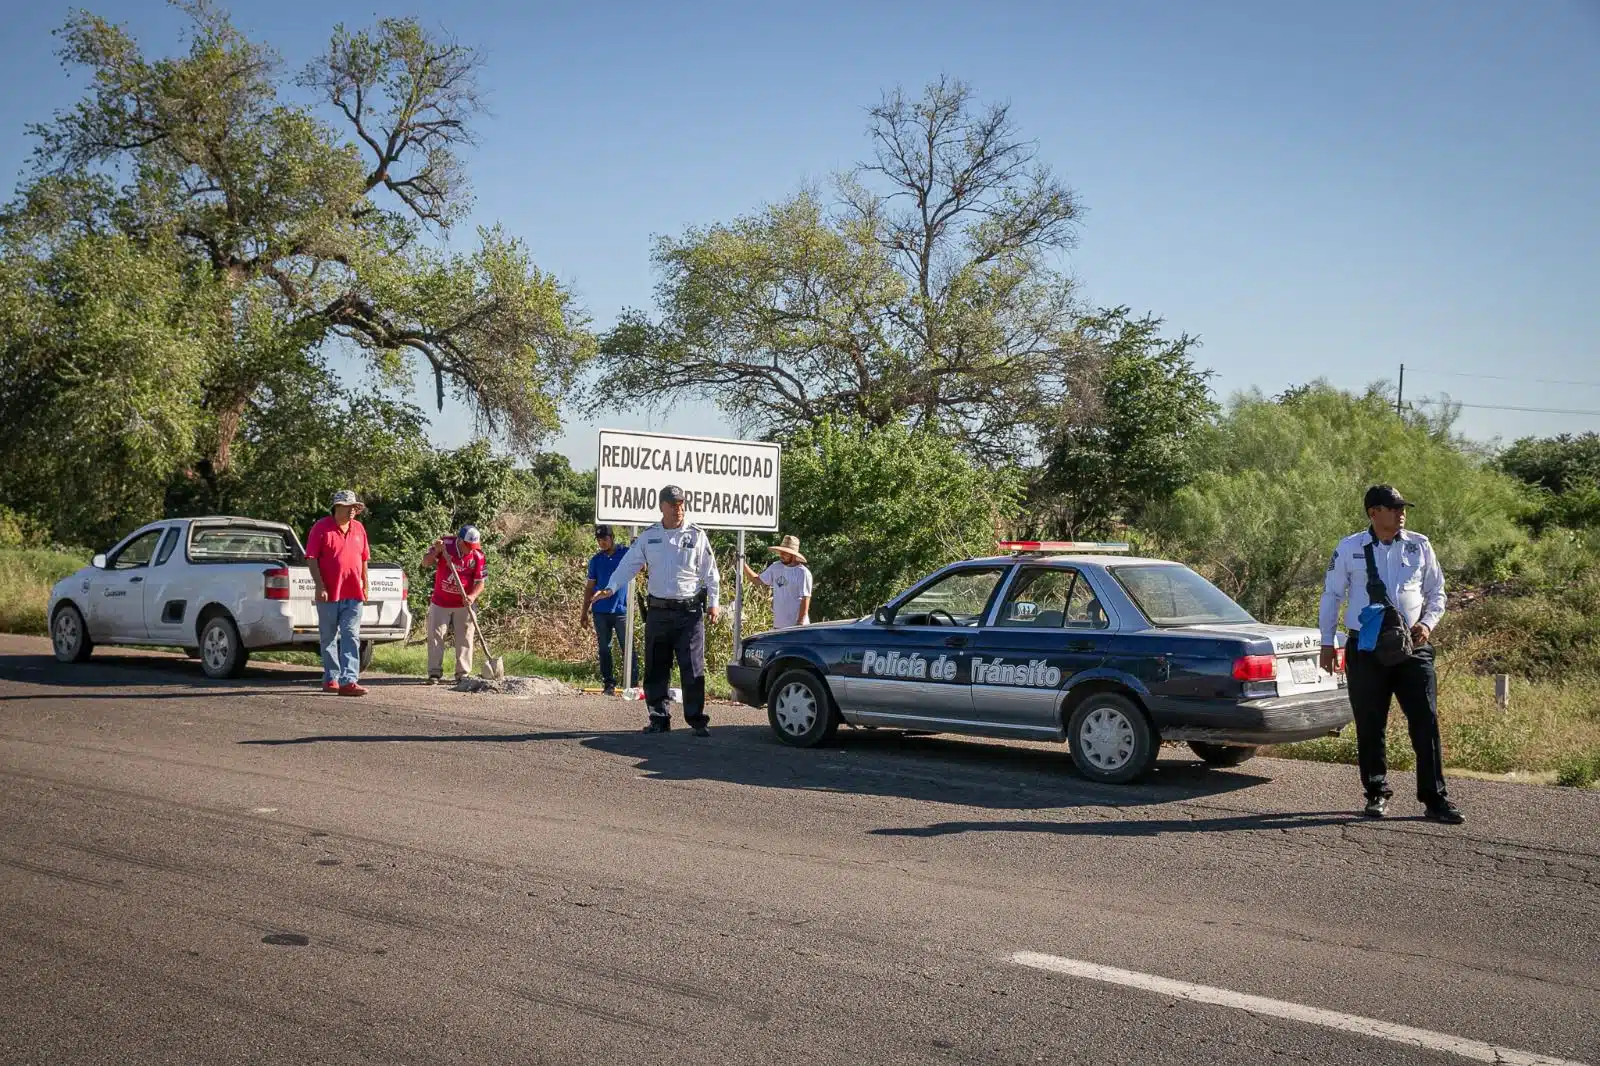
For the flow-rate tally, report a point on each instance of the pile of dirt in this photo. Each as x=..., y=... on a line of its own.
x=518, y=687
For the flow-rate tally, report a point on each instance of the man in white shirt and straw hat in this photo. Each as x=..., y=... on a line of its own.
x=790, y=581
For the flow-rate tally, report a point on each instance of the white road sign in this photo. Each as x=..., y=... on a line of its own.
x=730, y=484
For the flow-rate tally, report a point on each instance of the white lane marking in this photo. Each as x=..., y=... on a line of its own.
x=264, y=810
x=1294, y=1012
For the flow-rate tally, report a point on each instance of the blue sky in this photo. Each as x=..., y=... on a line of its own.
x=1316, y=190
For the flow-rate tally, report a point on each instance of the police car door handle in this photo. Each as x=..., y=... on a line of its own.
x=135, y=580
x=955, y=642
x=1080, y=645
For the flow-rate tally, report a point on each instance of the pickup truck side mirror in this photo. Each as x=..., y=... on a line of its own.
x=883, y=616
x=98, y=562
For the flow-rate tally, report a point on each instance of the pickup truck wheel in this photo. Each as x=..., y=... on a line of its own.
x=801, y=710
x=222, y=653
x=366, y=655
x=1221, y=754
x=69, y=636
x=1111, y=740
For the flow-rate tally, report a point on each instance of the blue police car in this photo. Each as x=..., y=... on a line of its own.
x=1055, y=641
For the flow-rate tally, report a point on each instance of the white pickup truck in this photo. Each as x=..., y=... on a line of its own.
x=217, y=587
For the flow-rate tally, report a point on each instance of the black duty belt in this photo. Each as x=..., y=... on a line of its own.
x=665, y=604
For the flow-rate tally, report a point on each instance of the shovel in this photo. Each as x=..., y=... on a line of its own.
x=494, y=667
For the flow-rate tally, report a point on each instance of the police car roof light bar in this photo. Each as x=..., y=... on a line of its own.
x=1051, y=547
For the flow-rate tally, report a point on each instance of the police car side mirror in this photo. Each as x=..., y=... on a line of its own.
x=883, y=616
x=98, y=562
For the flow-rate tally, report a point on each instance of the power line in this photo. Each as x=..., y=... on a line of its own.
x=1505, y=377
x=1506, y=407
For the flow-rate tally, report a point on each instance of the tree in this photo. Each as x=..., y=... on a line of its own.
x=877, y=508
x=1565, y=470
x=1132, y=433
x=1282, y=483
x=929, y=295
x=251, y=238
x=1557, y=464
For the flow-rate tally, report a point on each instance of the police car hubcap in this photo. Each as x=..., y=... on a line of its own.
x=1107, y=738
x=796, y=709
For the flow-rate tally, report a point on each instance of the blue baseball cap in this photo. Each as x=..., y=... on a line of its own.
x=470, y=534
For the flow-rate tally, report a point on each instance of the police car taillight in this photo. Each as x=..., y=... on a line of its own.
x=1255, y=668
x=277, y=583
x=1023, y=547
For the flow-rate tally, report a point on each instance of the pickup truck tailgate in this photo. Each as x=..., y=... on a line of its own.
x=386, y=597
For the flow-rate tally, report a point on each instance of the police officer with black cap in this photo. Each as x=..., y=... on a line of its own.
x=1389, y=583
x=683, y=588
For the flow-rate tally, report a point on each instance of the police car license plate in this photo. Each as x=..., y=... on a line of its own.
x=1303, y=670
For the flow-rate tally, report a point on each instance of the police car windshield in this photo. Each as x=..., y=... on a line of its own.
x=1177, y=596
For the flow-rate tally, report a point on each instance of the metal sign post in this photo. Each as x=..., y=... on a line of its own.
x=627, y=624
x=738, y=601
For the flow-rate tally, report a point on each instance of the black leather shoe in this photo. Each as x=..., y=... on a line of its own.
x=1377, y=806
x=656, y=726
x=1444, y=812
x=700, y=731
x=609, y=690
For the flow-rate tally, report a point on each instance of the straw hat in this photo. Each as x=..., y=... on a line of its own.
x=789, y=546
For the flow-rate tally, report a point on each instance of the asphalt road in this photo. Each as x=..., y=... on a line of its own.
x=202, y=872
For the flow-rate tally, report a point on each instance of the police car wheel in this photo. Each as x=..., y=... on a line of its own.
x=366, y=654
x=1111, y=740
x=1221, y=754
x=800, y=709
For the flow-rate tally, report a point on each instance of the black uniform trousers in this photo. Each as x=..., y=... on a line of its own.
x=675, y=632
x=1371, y=685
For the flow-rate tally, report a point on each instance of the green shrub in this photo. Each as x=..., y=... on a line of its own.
x=1579, y=770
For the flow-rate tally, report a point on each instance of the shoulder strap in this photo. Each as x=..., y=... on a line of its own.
x=1376, y=592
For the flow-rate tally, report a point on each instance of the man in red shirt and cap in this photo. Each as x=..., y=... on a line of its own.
x=338, y=551
x=458, y=556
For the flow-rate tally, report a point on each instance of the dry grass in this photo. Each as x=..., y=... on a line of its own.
x=26, y=575
x=1548, y=726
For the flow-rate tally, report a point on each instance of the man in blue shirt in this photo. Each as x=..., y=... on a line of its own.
x=610, y=614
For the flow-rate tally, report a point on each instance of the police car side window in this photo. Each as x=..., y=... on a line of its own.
x=961, y=598
x=1038, y=598
x=1083, y=607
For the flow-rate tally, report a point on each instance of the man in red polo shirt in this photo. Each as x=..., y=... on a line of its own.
x=338, y=552
x=452, y=557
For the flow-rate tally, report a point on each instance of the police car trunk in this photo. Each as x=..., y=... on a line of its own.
x=1292, y=669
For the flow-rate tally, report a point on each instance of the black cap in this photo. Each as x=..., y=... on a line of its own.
x=1386, y=496
x=602, y=531
x=672, y=494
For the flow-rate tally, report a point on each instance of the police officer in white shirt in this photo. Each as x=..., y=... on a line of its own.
x=1414, y=584
x=683, y=584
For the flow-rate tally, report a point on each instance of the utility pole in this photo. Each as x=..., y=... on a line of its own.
x=1400, y=393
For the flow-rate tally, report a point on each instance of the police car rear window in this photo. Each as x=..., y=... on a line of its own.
x=1177, y=596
